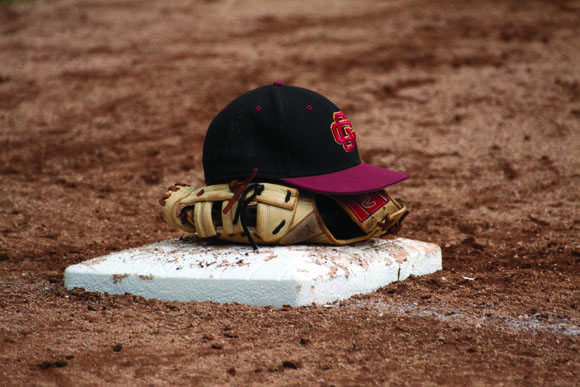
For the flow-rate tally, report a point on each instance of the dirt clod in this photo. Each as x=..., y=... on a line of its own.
x=52, y=364
x=292, y=364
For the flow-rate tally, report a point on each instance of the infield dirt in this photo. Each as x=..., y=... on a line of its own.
x=104, y=104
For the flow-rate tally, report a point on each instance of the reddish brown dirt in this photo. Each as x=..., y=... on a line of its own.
x=103, y=104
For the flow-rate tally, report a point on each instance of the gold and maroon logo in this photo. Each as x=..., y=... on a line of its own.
x=342, y=131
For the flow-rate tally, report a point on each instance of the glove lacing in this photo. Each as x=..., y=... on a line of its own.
x=256, y=189
x=241, y=190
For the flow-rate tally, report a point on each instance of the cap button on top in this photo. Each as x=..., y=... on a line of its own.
x=278, y=83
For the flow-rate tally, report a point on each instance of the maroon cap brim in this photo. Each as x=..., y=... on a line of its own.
x=361, y=178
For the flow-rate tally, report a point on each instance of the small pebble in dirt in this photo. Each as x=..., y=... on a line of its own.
x=208, y=337
x=117, y=347
x=232, y=371
x=304, y=340
x=231, y=334
x=217, y=345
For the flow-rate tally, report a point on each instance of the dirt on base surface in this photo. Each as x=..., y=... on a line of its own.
x=103, y=104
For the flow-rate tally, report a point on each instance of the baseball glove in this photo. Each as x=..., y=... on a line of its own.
x=267, y=213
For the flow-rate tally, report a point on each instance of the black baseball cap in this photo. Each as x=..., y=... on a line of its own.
x=289, y=134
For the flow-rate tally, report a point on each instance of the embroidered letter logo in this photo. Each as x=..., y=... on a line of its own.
x=342, y=132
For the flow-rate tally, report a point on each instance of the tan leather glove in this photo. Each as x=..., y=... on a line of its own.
x=266, y=213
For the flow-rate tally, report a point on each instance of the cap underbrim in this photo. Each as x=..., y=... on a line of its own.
x=361, y=178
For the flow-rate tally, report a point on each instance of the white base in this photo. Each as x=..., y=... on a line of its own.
x=188, y=269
